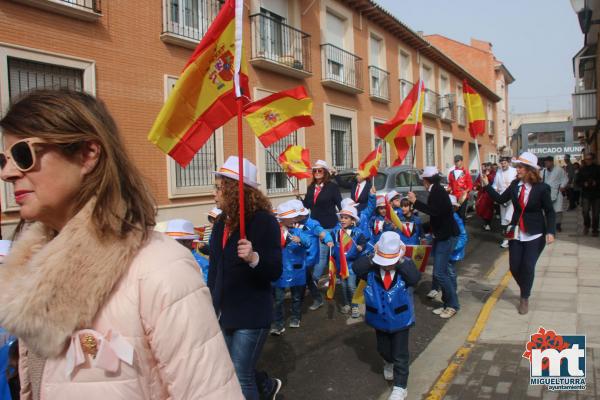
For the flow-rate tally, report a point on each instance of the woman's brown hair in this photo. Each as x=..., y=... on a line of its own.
x=69, y=119
x=531, y=175
x=326, y=178
x=254, y=200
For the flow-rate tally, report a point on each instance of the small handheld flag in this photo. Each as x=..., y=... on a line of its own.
x=295, y=161
x=332, y=278
x=370, y=165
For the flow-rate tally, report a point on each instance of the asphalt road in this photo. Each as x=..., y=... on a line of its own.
x=328, y=358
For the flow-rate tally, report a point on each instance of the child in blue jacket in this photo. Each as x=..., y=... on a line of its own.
x=389, y=306
x=317, y=233
x=378, y=223
x=294, y=244
x=411, y=232
x=349, y=220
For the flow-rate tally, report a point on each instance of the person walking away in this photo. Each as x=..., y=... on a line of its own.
x=389, y=306
x=484, y=205
x=350, y=240
x=323, y=199
x=103, y=306
x=359, y=189
x=243, y=269
x=570, y=171
x=558, y=181
x=445, y=235
x=504, y=177
x=588, y=179
x=317, y=236
x=460, y=184
x=532, y=224
x=295, y=244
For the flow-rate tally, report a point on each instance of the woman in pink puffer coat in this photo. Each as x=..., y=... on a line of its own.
x=104, y=308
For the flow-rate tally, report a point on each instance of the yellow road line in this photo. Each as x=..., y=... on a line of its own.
x=440, y=388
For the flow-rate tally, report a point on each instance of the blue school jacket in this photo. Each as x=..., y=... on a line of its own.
x=292, y=258
x=359, y=238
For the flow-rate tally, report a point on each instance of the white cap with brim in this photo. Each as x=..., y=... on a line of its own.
x=286, y=211
x=348, y=202
x=389, y=249
x=231, y=170
x=321, y=164
x=391, y=195
x=429, y=171
x=380, y=202
x=215, y=212
x=350, y=212
x=528, y=159
x=299, y=207
x=181, y=229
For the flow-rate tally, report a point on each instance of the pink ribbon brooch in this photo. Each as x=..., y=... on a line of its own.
x=105, y=351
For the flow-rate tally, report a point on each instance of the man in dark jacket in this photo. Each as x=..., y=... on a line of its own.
x=445, y=234
x=359, y=190
x=588, y=179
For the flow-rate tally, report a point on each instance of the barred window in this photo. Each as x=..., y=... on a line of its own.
x=277, y=180
x=26, y=75
x=429, y=149
x=190, y=18
x=341, y=142
x=408, y=160
x=384, y=153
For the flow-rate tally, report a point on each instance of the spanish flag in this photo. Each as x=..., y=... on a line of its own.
x=332, y=278
x=295, y=161
x=204, y=97
x=407, y=122
x=345, y=242
x=419, y=254
x=393, y=217
x=368, y=168
x=278, y=115
x=475, y=110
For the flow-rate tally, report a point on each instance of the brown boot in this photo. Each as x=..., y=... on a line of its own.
x=523, y=306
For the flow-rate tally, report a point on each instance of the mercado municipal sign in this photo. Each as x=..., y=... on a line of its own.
x=550, y=150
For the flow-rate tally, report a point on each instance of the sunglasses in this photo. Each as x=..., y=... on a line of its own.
x=22, y=154
x=318, y=170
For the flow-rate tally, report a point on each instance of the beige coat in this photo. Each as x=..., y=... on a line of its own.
x=153, y=298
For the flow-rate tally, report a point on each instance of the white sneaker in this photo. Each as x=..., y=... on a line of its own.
x=487, y=227
x=448, y=312
x=345, y=309
x=388, y=371
x=504, y=244
x=438, y=311
x=432, y=294
x=398, y=393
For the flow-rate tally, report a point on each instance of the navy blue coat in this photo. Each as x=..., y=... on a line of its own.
x=242, y=294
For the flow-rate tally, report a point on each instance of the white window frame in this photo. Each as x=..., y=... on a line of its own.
x=261, y=153
x=173, y=191
x=408, y=75
x=430, y=131
x=329, y=110
x=9, y=50
x=446, y=135
x=426, y=64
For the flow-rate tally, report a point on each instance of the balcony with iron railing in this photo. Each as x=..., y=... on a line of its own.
x=461, y=115
x=431, y=103
x=405, y=88
x=585, y=109
x=380, y=84
x=279, y=47
x=185, y=22
x=342, y=70
x=447, y=112
x=87, y=10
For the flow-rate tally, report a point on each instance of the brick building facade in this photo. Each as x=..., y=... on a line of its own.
x=356, y=60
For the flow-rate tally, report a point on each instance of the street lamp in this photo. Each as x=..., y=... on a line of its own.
x=584, y=14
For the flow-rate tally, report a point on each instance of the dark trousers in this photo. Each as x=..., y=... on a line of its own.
x=590, y=205
x=573, y=195
x=522, y=259
x=462, y=210
x=296, y=309
x=245, y=347
x=393, y=348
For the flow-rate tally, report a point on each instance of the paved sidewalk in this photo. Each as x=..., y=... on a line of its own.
x=565, y=298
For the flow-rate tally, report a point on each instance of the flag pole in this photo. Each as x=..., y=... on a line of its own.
x=241, y=169
x=277, y=161
x=239, y=10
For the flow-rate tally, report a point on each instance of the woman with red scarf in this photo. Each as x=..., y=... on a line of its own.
x=484, y=206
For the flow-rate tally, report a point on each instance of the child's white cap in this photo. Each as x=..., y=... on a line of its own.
x=453, y=200
x=286, y=211
x=349, y=211
x=299, y=207
x=391, y=194
x=380, y=201
x=215, y=212
x=181, y=229
x=389, y=249
x=348, y=202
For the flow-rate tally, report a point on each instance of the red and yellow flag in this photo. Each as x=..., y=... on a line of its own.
x=345, y=245
x=368, y=168
x=419, y=254
x=295, y=161
x=475, y=110
x=278, y=115
x=392, y=216
x=203, y=98
x=332, y=277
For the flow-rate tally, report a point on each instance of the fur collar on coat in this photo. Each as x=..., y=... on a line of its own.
x=52, y=285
